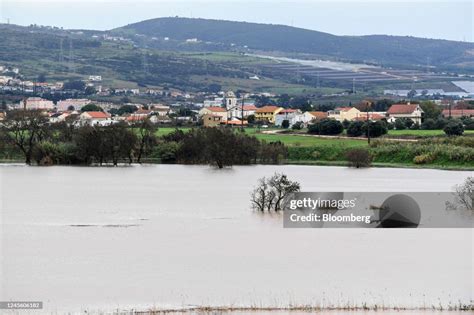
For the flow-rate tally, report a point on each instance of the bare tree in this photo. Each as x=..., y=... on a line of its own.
x=262, y=196
x=270, y=193
x=282, y=187
x=465, y=194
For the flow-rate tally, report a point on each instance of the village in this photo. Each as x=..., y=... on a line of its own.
x=87, y=102
x=226, y=110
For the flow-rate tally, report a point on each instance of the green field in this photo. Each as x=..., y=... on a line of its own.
x=289, y=140
x=422, y=133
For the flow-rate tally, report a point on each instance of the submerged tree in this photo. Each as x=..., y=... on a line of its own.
x=464, y=195
x=270, y=193
x=146, y=138
x=25, y=129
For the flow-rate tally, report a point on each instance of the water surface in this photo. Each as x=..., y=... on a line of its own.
x=177, y=236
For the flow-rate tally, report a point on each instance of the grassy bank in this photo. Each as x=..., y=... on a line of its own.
x=442, y=153
x=423, y=133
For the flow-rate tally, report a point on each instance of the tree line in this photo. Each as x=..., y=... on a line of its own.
x=220, y=147
x=30, y=135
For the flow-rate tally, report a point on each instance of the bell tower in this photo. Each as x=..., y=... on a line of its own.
x=230, y=100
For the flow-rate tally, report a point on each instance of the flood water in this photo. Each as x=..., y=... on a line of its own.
x=170, y=236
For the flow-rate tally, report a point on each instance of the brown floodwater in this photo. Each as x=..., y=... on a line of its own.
x=172, y=236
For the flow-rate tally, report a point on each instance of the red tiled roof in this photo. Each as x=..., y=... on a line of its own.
x=250, y=107
x=267, y=109
x=402, y=108
x=458, y=112
x=371, y=117
x=287, y=111
x=216, y=109
x=98, y=115
x=319, y=114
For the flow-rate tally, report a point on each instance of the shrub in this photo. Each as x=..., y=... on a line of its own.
x=316, y=154
x=429, y=124
x=377, y=129
x=273, y=152
x=469, y=124
x=415, y=126
x=355, y=129
x=346, y=123
x=408, y=122
x=454, y=128
x=440, y=123
x=297, y=125
x=166, y=152
x=326, y=127
x=400, y=124
x=423, y=159
x=359, y=157
x=46, y=153
x=285, y=124
x=313, y=128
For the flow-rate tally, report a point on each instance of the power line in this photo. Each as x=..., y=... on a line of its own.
x=71, y=57
x=61, y=50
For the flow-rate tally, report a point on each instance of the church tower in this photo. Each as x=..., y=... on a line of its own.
x=230, y=100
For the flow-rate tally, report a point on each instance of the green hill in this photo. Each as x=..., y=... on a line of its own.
x=64, y=54
x=380, y=49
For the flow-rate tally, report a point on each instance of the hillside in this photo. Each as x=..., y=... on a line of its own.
x=379, y=49
x=64, y=54
x=126, y=58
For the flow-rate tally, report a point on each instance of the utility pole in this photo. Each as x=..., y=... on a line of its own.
x=242, y=115
x=353, y=85
x=71, y=57
x=368, y=122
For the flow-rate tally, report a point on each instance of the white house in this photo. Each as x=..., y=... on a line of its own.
x=412, y=111
x=236, y=112
x=292, y=115
x=94, y=119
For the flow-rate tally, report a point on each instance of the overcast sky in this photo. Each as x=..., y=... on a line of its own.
x=423, y=18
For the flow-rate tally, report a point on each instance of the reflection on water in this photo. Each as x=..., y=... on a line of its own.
x=177, y=236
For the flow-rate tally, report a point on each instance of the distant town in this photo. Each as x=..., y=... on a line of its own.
x=81, y=100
